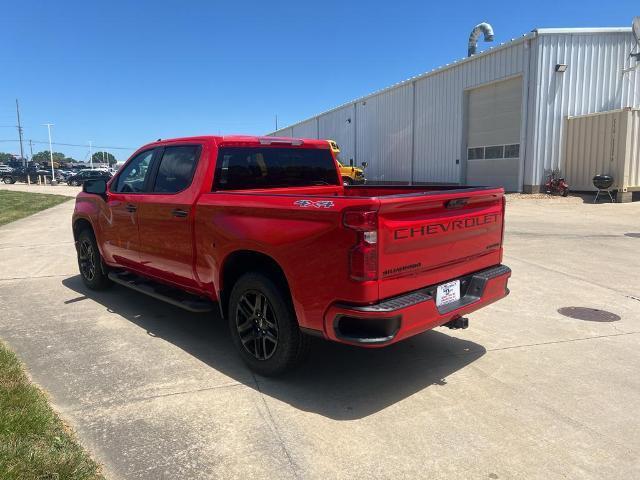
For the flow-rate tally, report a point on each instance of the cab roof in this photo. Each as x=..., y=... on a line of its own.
x=245, y=140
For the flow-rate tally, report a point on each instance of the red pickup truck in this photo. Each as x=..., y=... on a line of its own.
x=263, y=229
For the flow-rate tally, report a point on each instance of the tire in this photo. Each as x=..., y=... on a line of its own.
x=565, y=192
x=346, y=181
x=8, y=180
x=264, y=327
x=92, y=269
x=74, y=183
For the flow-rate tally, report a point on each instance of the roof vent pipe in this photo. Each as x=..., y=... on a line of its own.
x=483, y=28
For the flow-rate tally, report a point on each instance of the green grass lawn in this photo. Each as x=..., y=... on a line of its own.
x=15, y=205
x=34, y=443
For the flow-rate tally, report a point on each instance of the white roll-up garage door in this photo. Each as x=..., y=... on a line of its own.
x=493, y=134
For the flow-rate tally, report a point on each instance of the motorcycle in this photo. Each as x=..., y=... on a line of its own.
x=555, y=183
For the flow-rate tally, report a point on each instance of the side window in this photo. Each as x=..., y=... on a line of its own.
x=133, y=176
x=176, y=168
x=475, y=153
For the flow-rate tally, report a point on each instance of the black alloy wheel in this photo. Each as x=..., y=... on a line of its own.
x=257, y=325
x=263, y=324
x=87, y=259
x=92, y=269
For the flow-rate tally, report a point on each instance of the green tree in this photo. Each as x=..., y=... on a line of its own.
x=44, y=157
x=5, y=157
x=104, y=157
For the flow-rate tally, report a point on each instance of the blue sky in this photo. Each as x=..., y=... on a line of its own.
x=122, y=73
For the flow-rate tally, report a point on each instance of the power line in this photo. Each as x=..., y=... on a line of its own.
x=73, y=144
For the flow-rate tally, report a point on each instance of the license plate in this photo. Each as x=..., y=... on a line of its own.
x=448, y=293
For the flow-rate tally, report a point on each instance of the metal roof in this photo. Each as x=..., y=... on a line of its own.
x=543, y=31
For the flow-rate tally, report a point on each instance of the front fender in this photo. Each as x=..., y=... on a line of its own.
x=87, y=210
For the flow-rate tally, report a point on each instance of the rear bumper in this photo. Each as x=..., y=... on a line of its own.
x=406, y=315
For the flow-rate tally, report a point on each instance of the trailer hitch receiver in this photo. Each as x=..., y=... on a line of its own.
x=457, y=323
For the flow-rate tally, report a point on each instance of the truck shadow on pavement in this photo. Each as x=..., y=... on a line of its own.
x=336, y=381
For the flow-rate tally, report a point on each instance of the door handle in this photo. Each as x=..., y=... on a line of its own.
x=178, y=212
x=131, y=208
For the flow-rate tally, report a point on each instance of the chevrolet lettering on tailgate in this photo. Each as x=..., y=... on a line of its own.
x=436, y=228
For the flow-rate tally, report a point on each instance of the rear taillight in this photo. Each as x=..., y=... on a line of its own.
x=363, y=257
x=361, y=220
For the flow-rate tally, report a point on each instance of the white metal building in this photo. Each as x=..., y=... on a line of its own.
x=498, y=117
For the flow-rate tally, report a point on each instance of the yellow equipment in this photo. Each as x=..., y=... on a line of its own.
x=350, y=175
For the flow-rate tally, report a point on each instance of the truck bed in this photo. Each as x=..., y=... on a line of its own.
x=369, y=190
x=426, y=234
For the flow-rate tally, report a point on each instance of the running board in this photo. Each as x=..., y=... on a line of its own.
x=159, y=291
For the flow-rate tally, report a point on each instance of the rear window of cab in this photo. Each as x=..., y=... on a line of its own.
x=242, y=168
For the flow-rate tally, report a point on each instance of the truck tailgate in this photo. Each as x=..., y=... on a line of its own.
x=431, y=238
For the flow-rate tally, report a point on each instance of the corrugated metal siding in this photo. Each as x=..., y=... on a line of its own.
x=593, y=83
x=596, y=144
x=383, y=135
x=284, y=132
x=633, y=140
x=339, y=125
x=306, y=129
x=440, y=112
x=384, y=122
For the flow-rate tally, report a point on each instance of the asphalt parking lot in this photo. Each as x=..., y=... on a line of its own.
x=525, y=392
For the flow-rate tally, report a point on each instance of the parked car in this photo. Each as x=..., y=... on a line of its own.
x=65, y=173
x=27, y=175
x=264, y=228
x=84, y=175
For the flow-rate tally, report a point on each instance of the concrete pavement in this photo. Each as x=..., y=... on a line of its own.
x=61, y=189
x=155, y=392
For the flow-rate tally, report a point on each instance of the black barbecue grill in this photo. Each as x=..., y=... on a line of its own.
x=603, y=184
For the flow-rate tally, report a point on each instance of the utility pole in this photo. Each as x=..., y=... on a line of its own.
x=24, y=163
x=31, y=148
x=276, y=121
x=53, y=174
x=102, y=156
x=90, y=154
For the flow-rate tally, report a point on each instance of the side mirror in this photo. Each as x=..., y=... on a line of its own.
x=351, y=162
x=95, y=187
x=364, y=164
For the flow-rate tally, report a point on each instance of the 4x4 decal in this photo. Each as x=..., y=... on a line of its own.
x=316, y=204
